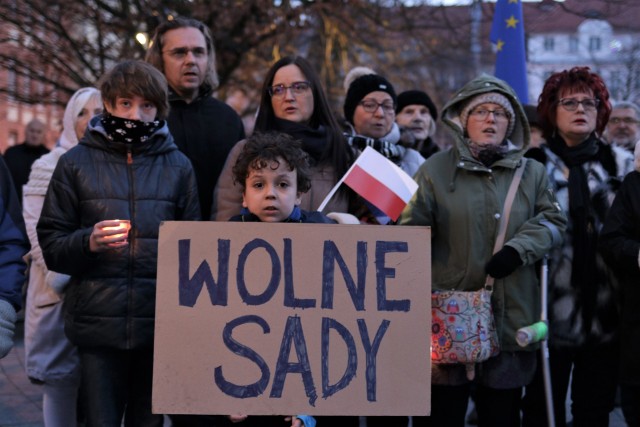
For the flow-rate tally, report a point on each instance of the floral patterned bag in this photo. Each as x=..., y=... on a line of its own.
x=463, y=330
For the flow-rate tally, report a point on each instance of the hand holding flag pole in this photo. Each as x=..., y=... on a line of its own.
x=379, y=181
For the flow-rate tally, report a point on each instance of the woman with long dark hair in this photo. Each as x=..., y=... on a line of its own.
x=294, y=102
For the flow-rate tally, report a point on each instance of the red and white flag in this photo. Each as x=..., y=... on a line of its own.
x=380, y=182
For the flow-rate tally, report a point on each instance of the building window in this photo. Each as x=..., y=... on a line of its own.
x=573, y=44
x=11, y=80
x=549, y=44
x=615, y=84
x=595, y=44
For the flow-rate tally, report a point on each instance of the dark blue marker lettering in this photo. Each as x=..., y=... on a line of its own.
x=331, y=255
x=290, y=299
x=250, y=390
x=275, y=273
x=189, y=288
x=371, y=350
x=382, y=248
x=352, y=357
x=293, y=332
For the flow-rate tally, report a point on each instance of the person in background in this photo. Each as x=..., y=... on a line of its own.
x=14, y=245
x=369, y=111
x=417, y=114
x=536, y=148
x=293, y=101
x=461, y=196
x=203, y=127
x=623, y=132
x=19, y=158
x=620, y=242
x=99, y=224
x=623, y=127
x=51, y=360
x=573, y=109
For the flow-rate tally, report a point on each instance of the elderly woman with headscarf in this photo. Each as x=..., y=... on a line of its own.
x=461, y=195
x=51, y=360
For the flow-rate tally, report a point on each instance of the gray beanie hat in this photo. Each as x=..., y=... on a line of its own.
x=493, y=98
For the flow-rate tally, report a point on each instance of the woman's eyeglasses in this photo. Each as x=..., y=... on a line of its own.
x=481, y=114
x=571, y=104
x=297, y=88
x=370, y=106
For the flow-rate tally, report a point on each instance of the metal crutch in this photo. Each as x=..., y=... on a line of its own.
x=539, y=332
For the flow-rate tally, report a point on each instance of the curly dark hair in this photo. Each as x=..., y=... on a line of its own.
x=577, y=79
x=265, y=149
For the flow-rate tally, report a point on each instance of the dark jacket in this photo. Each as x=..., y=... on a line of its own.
x=14, y=243
x=205, y=130
x=110, y=301
x=19, y=159
x=620, y=242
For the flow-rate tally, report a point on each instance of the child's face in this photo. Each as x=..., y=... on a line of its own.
x=133, y=108
x=271, y=194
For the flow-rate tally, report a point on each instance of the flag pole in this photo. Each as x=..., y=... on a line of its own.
x=334, y=189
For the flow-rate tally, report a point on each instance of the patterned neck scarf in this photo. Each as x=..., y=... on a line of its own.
x=129, y=131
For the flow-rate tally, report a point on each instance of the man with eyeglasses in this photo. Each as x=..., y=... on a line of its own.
x=203, y=128
x=623, y=128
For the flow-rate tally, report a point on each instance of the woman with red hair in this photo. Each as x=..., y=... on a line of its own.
x=573, y=110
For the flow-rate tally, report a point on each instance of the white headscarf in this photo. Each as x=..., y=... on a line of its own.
x=68, y=138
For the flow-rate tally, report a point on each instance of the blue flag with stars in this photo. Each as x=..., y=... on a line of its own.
x=507, y=34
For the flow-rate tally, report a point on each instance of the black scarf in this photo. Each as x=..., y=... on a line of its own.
x=584, y=272
x=314, y=141
x=488, y=154
x=129, y=131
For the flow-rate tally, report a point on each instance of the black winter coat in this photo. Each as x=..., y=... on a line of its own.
x=620, y=242
x=110, y=301
x=205, y=130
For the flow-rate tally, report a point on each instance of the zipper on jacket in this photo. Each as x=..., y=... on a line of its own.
x=131, y=249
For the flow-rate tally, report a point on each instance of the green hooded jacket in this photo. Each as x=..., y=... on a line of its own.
x=461, y=199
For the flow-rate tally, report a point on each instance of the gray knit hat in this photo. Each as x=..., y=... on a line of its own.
x=493, y=98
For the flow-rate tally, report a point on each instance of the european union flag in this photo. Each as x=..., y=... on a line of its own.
x=507, y=34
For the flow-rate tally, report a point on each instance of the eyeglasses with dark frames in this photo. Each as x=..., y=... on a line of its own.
x=571, y=104
x=297, y=88
x=370, y=106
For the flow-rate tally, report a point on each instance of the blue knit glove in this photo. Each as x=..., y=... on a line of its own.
x=8, y=319
x=503, y=263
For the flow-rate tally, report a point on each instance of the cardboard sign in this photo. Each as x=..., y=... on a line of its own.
x=281, y=319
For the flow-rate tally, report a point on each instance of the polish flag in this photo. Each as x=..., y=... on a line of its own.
x=380, y=182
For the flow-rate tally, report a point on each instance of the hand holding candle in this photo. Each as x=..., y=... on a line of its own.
x=109, y=234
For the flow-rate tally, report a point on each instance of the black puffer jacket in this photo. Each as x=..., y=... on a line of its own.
x=110, y=301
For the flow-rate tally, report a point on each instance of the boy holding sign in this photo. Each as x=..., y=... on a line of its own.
x=273, y=171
